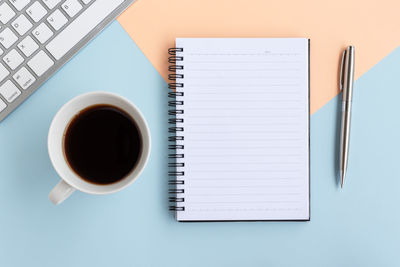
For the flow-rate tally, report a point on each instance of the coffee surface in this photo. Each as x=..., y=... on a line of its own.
x=102, y=144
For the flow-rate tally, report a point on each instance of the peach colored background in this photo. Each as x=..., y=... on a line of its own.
x=372, y=26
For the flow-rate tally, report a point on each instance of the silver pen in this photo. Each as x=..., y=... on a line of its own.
x=346, y=86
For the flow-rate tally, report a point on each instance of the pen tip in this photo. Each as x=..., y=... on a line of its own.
x=342, y=176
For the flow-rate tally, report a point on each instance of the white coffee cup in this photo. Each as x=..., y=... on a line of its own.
x=70, y=181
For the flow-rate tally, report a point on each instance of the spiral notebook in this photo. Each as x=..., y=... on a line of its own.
x=239, y=133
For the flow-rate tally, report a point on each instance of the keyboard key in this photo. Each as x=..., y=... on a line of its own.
x=40, y=63
x=13, y=59
x=7, y=38
x=51, y=3
x=22, y=25
x=6, y=13
x=20, y=4
x=24, y=78
x=2, y=105
x=57, y=20
x=3, y=72
x=9, y=91
x=81, y=26
x=71, y=7
x=36, y=11
x=42, y=33
x=28, y=46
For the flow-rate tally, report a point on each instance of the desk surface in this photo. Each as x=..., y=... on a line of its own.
x=358, y=226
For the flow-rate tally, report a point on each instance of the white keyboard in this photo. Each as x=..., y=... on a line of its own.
x=38, y=36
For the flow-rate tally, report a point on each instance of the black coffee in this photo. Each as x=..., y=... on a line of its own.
x=102, y=144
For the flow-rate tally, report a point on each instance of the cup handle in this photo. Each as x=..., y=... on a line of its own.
x=60, y=192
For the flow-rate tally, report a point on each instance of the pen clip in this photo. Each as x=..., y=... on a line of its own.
x=341, y=70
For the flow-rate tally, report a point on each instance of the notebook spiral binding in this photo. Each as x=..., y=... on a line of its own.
x=176, y=138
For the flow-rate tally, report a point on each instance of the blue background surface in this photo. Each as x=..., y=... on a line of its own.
x=358, y=226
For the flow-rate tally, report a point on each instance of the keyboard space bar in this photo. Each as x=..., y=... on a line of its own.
x=81, y=26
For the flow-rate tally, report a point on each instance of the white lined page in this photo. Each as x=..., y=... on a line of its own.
x=246, y=128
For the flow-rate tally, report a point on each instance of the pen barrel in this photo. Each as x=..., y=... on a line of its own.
x=345, y=134
x=346, y=85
